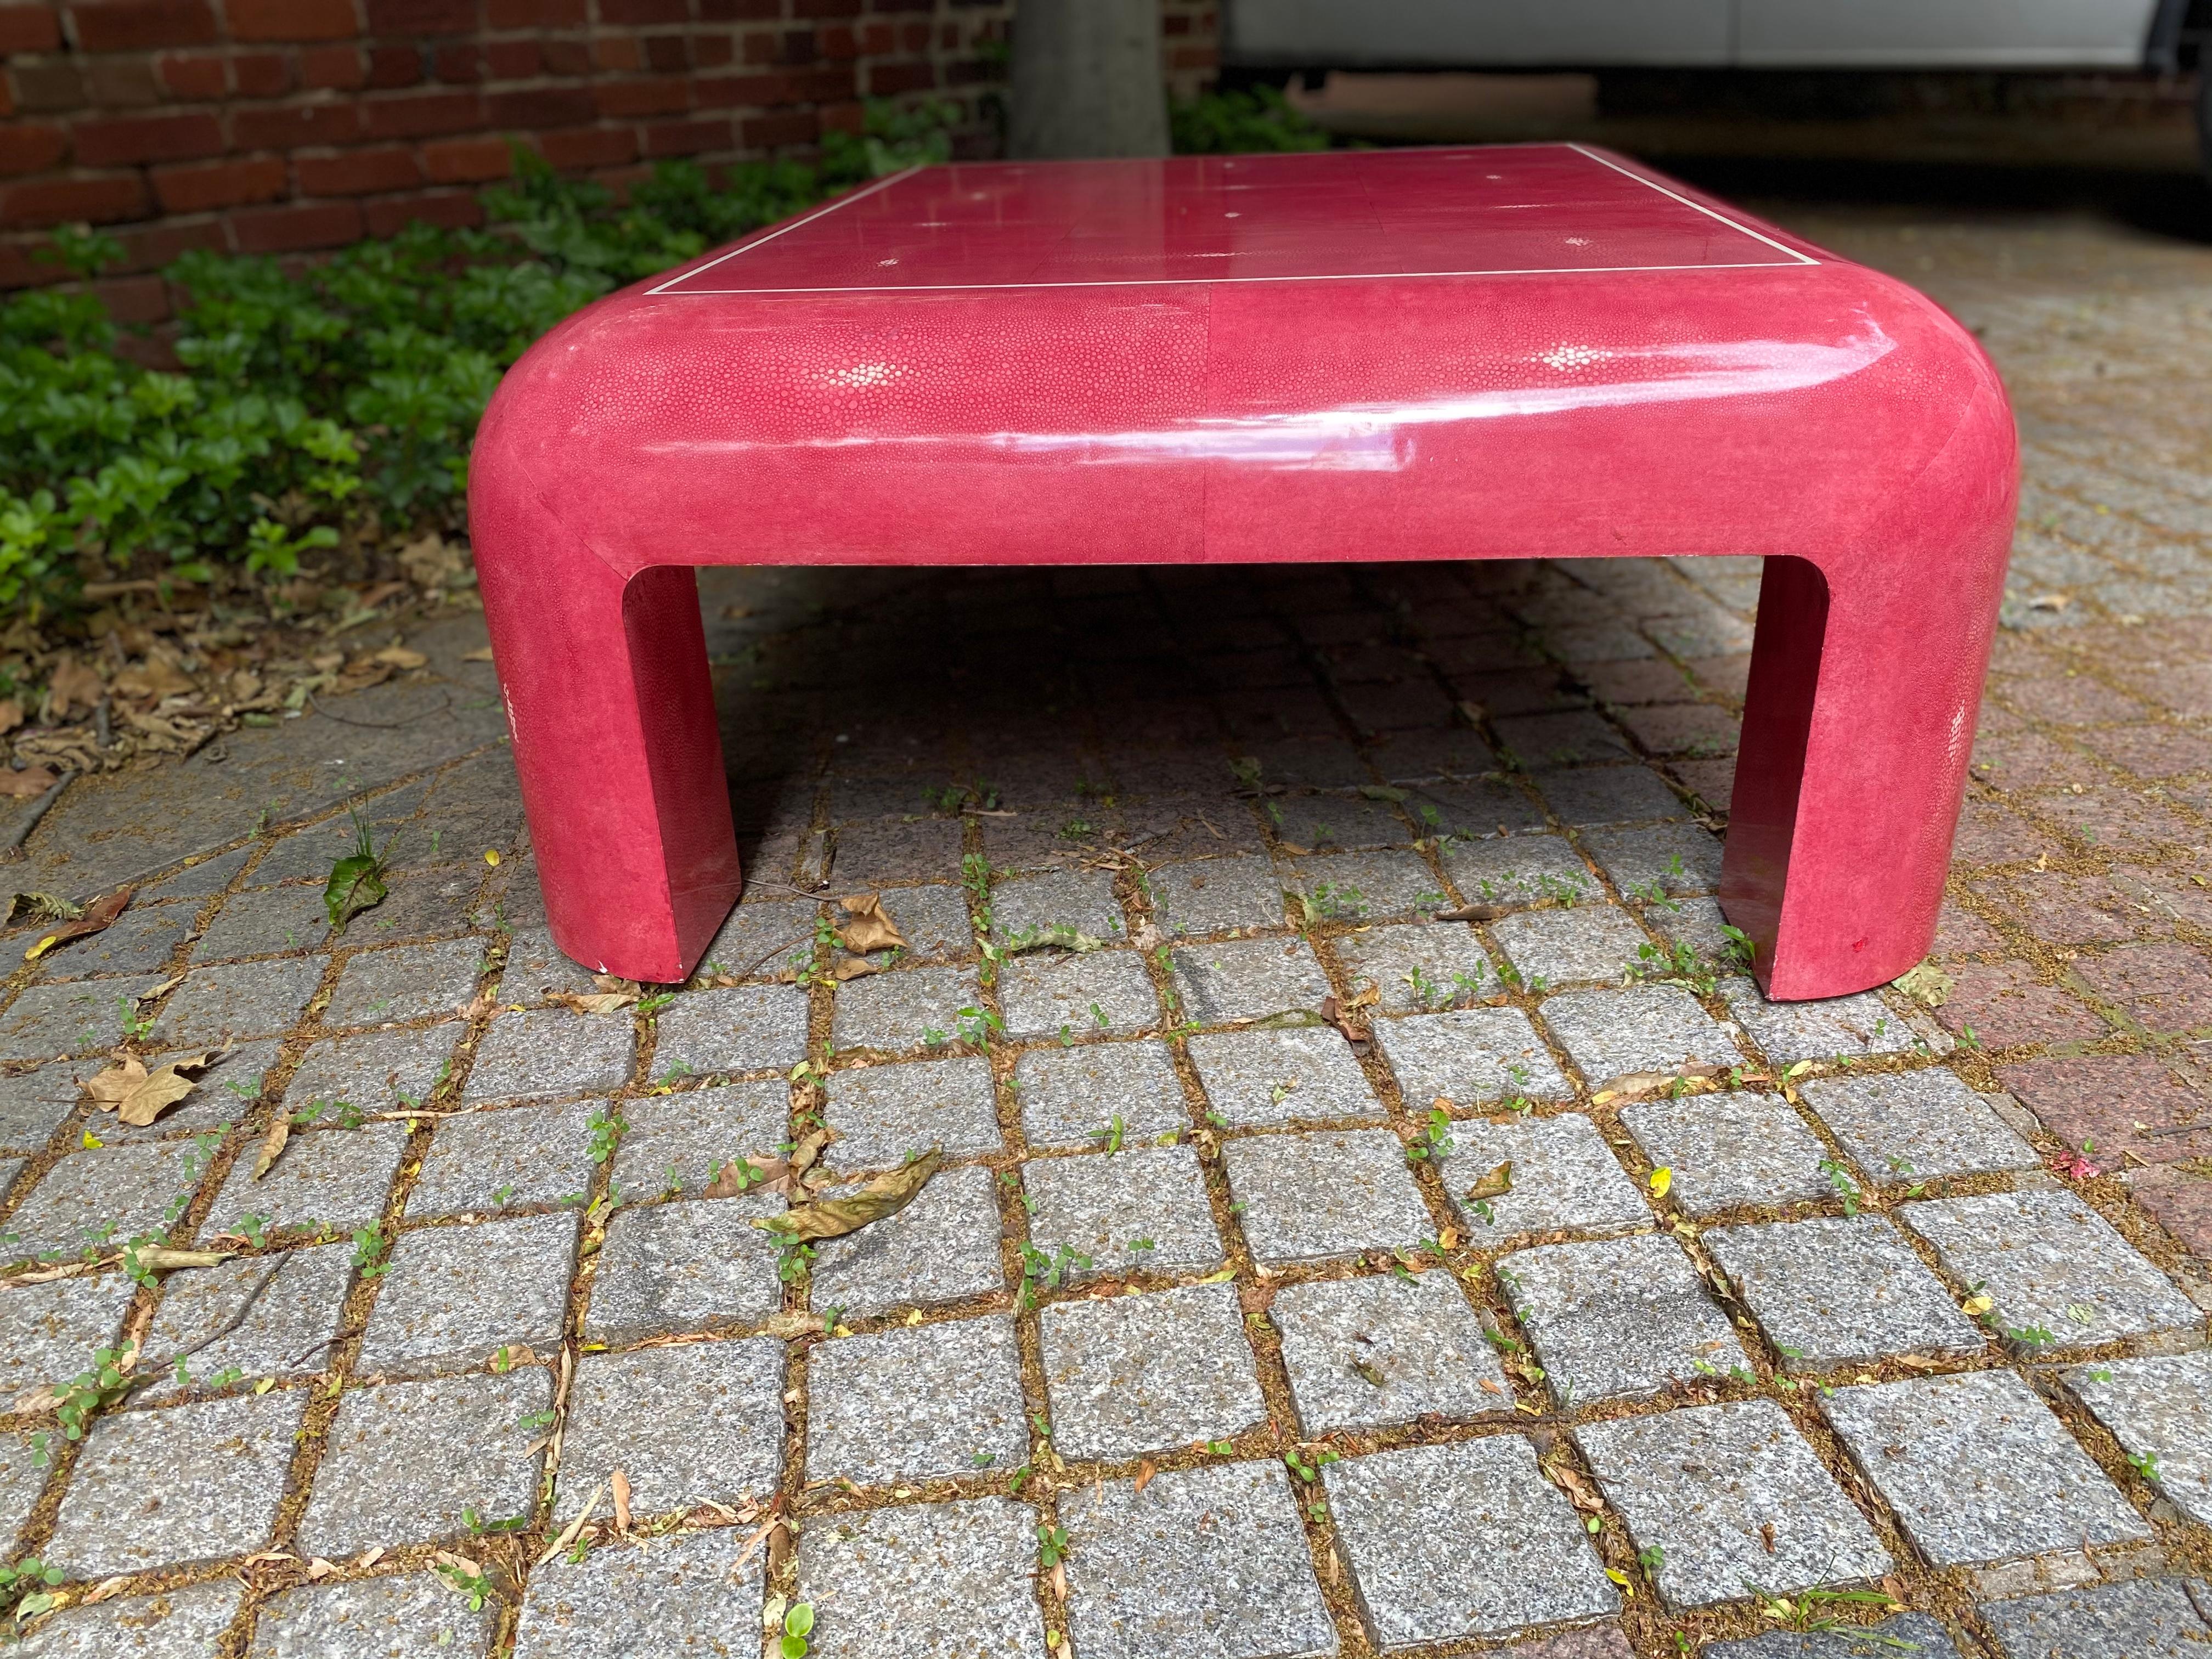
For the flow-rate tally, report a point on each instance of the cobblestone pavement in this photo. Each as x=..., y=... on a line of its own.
x=1200, y=1301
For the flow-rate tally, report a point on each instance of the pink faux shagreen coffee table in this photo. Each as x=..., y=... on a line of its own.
x=1501, y=352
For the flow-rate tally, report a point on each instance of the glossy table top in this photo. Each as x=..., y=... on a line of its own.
x=1496, y=209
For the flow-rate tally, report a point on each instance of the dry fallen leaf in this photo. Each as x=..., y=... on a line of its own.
x=139, y=1097
x=106, y=1588
x=866, y=928
x=1919, y=1361
x=96, y=917
x=1495, y=1184
x=1630, y=1084
x=271, y=1144
x=1472, y=913
x=1489, y=1386
x=31, y=781
x=770, y=1175
x=1662, y=1180
x=1927, y=984
x=72, y=685
x=482, y=653
x=41, y=907
x=620, y=1483
x=853, y=968
x=400, y=657
x=11, y=714
x=833, y=1217
x=602, y=1002
x=1145, y=1470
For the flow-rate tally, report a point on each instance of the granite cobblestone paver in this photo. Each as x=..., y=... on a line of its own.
x=917, y=1403
x=1829, y=1292
x=219, y=1466
x=1910, y=1127
x=1118, y=714
x=1977, y=1468
x=400, y=1612
x=1311, y=1197
x=1145, y=1373
x=2052, y=1265
x=1564, y=1178
x=685, y=1592
x=1618, y=1319
x=403, y=1461
x=1143, y=1209
x=699, y=1424
x=1207, y=1555
x=955, y=1577
x=1729, y=1149
x=1734, y=1500
x=1070, y=1096
x=1448, y=1542
x=1365, y=1353
x=2160, y=1409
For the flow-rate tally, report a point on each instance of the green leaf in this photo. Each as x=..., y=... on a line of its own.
x=794, y=1647
x=355, y=884
x=799, y=1621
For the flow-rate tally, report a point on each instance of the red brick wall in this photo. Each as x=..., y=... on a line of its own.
x=281, y=126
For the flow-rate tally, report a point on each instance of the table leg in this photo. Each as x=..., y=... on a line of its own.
x=613, y=712
x=1858, y=727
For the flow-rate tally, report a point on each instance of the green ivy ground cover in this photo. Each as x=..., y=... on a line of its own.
x=342, y=397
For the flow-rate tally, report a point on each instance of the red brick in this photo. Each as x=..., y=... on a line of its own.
x=825, y=7
x=768, y=131
x=7, y=98
x=422, y=16
x=753, y=91
x=589, y=147
x=31, y=147
x=341, y=68
x=56, y=83
x=359, y=172
x=1989, y=835
x=297, y=226
x=914, y=37
x=467, y=161
x=620, y=98
x=38, y=202
x=2162, y=988
x=136, y=25
x=261, y=74
x=645, y=11
x=118, y=82
x=134, y=298
x=2006, y=1008
x=452, y=209
x=513, y=60
x=2103, y=1097
x=535, y=13
x=712, y=51
x=666, y=53
x=394, y=66
x=461, y=62
x=566, y=57
x=2180, y=1199
x=297, y=21
x=738, y=11
x=29, y=28
x=420, y=114
x=120, y=139
x=689, y=137
x=616, y=52
x=156, y=245
x=762, y=48
x=540, y=106
x=851, y=118
x=331, y=121
x=193, y=75
x=218, y=184
x=799, y=48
